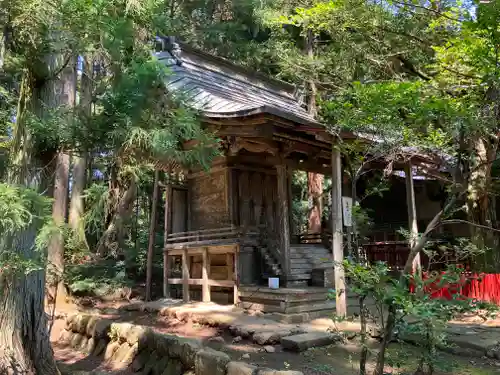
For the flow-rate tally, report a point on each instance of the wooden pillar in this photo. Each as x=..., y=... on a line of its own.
x=166, y=266
x=151, y=241
x=189, y=206
x=236, y=278
x=412, y=214
x=290, y=202
x=205, y=274
x=283, y=220
x=231, y=197
x=347, y=189
x=185, y=276
x=337, y=242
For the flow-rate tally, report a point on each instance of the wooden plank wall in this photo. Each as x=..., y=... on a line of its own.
x=179, y=211
x=256, y=199
x=209, y=207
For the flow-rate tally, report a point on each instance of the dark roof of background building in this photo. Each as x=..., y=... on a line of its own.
x=222, y=89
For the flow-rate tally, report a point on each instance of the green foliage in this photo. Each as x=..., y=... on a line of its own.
x=96, y=199
x=143, y=122
x=363, y=221
x=98, y=279
x=20, y=210
x=419, y=317
x=300, y=204
x=399, y=115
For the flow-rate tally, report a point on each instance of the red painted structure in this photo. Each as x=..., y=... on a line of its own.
x=482, y=287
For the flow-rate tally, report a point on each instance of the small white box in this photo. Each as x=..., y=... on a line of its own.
x=274, y=283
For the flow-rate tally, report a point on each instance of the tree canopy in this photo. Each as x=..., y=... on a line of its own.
x=83, y=99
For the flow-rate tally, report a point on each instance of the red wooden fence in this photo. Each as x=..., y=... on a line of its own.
x=482, y=287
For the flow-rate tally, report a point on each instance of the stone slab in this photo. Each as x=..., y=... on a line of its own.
x=240, y=368
x=270, y=337
x=211, y=362
x=304, y=341
x=475, y=342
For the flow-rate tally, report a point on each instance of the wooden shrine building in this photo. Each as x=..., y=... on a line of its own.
x=229, y=228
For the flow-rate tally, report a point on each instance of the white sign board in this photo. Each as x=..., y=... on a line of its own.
x=347, y=211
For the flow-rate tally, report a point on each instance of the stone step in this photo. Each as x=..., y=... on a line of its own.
x=305, y=259
x=308, y=246
x=311, y=261
x=299, y=276
x=311, y=266
x=292, y=250
x=315, y=251
x=308, y=268
x=310, y=256
x=304, y=341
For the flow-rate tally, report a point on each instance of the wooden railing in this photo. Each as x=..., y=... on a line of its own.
x=207, y=237
x=259, y=238
x=394, y=253
x=324, y=238
x=305, y=238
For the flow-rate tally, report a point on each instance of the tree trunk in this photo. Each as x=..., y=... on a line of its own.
x=24, y=340
x=364, y=348
x=151, y=244
x=313, y=90
x=80, y=162
x=76, y=206
x=314, y=180
x=55, y=256
x=111, y=238
x=315, y=190
x=63, y=93
x=416, y=248
x=481, y=206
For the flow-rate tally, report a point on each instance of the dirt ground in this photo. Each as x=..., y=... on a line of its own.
x=340, y=359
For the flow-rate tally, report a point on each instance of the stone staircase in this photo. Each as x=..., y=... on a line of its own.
x=272, y=266
x=305, y=258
